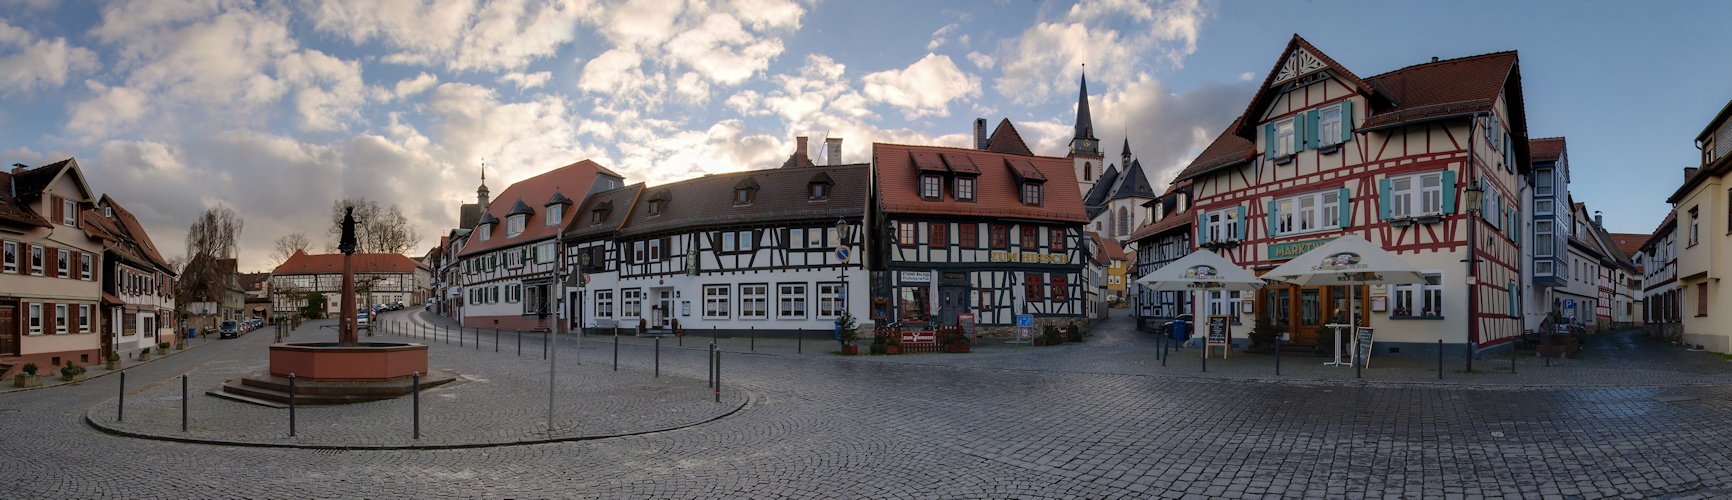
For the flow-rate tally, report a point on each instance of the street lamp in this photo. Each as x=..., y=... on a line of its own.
x=842, y=242
x=1473, y=196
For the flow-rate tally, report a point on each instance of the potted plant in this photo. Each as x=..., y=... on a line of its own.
x=144, y=355
x=27, y=377
x=180, y=344
x=894, y=345
x=71, y=372
x=113, y=361
x=1263, y=335
x=1074, y=333
x=954, y=340
x=880, y=340
x=162, y=347
x=1053, y=337
x=846, y=334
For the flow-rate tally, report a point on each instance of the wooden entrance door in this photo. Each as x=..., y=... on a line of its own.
x=9, y=329
x=952, y=301
x=1303, y=312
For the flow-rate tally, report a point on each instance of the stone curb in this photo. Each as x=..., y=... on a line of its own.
x=746, y=402
x=171, y=352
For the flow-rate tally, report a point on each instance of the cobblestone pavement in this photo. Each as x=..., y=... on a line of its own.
x=1101, y=419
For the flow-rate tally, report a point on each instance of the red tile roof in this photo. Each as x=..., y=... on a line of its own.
x=1181, y=219
x=304, y=263
x=1629, y=243
x=1005, y=140
x=136, y=232
x=574, y=181
x=1264, y=94
x=1546, y=149
x=1228, y=149
x=1109, y=249
x=998, y=193
x=14, y=209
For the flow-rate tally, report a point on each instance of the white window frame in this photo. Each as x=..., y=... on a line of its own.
x=11, y=257
x=716, y=304
x=1224, y=303
x=1414, y=200
x=83, y=318
x=965, y=188
x=33, y=320
x=61, y=313
x=1292, y=214
x=546, y=253
x=1221, y=225
x=1031, y=194
x=728, y=241
x=1544, y=231
x=797, y=238
x=791, y=300
x=1544, y=180
x=654, y=252
x=84, y=265
x=554, y=213
x=631, y=303
x=514, y=225
x=1284, y=137
x=485, y=230
x=830, y=303
x=745, y=241
x=931, y=187
x=604, y=303
x=39, y=260
x=1419, y=299
x=69, y=212
x=754, y=301
x=1329, y=130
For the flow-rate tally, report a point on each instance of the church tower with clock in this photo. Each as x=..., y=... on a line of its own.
x=1085, y=148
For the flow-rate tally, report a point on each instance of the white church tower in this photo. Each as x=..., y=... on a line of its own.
x=1085, y=149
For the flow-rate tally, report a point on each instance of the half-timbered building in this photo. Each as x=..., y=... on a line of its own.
x=772, y=252
x=589, y=250
x=137, y=283
x=1320, y=152
x=1163, y=240
x=993, y=232
x=49, y=286
x=511, y=259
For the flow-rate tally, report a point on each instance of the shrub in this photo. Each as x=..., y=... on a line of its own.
x=29, y=368
x=71, y=369
x=114, y=356
x=953, y=336
x=162, y=345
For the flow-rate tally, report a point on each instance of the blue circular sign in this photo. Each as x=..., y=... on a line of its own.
x=842, y=254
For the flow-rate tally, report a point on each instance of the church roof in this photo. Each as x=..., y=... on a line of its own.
x=1134, y=184
x=1085, y=127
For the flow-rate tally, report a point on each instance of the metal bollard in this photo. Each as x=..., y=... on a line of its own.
x=718, y=376
x=459, y=335
x=1512, y=357
x=544, y=337
x=1205, y=357
x=495, y=340
x=1546, y=342
x=1358, y=365
x=1162, y=352
x=1277, y=356
x=754, y=339
x=1440, y=359
x=120, y=408
x=711, y=380
x=417, y=380
x=183, y=402
x=1470, y=351
x=291, y=405
x=520, y=343
x=800, y=342
x=658, y=357
x=616, y=349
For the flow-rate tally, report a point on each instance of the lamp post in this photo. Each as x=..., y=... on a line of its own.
x=1473, y=197
x=842, y=242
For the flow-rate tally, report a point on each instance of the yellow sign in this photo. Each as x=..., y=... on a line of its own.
x=1030, y=257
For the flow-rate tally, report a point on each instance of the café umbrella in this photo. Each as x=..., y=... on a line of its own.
x=1347, y=260
x=1201, y=271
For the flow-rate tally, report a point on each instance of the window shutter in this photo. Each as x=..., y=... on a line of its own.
x=1383, y=199
x=47, y=318
x=1311, y=130
x=1274, y=218
x=1202, y=226
x=1346, y=209
x=1299, y=132
x=1449, y=191
x=1269, y=139
x=1239, y=233
x=1346, y=120
x=667, y=248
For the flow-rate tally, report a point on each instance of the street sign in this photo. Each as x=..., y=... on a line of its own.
x=842, y=254
x=1025, y=321
x=1569, y=303
x=585, y=280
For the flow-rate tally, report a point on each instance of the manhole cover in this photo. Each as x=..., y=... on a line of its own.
x=1674, y=399
x=4, y=411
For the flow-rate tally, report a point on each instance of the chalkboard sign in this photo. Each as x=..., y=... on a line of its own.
x=1218, y=330
x=1362, y=348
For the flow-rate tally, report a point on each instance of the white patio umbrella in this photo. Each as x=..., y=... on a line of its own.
x=1348, y=260
x=1200, y=271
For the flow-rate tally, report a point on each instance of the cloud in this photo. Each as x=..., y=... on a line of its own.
x=938, y=39
x=328, y=91
x=111, y=111
x=923, y=88
x=980, y=60
x=685, y=47
x=28, y=63
x=415, y=85
x=1112, y=36
x=526, y=81
x=457, y=34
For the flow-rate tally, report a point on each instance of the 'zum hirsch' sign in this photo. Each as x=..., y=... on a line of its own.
x=1030, y=257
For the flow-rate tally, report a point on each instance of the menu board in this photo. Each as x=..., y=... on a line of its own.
x=1362, y=348
x=1217, y=332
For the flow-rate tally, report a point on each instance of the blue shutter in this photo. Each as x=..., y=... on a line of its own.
x=1383, y=199
x=1346, y=120
x=1202, y=227
x=1239, y=230
x=1512, y=298
x=1269, y=139
x=1299, y=132
x=1346, y=209
x=1449, y=191
x=1311, y=141
x=1274, y=218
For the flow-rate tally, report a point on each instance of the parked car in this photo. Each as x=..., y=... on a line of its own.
x=429, y=306
x=361, y=318
x=229, y=330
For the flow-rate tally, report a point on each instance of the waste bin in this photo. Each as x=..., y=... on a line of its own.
x=1181, y=330
x=191, y=332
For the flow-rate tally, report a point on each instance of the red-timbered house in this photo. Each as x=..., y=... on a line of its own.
x=1320, y=152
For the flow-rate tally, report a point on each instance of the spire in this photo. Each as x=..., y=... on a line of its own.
x=1126, y=152
x=481, y=192
x=1084, y=144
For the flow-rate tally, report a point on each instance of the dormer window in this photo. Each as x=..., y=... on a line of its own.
x=817, y=192
x=655, y=207
x=745, y=192
x=595, y=217
x=931, y=187
x=964, y=188
x=514, y=225
x=1031, y=194
x=554, y=214
x=486, y=229
x=70, y=209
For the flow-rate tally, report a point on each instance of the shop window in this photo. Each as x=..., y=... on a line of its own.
x=716, y=302
x=912, y=304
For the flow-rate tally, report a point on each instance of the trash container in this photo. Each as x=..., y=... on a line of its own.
x=191, y=332
x=1181, y=330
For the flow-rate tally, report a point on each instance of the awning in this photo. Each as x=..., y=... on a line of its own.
x=108, y=298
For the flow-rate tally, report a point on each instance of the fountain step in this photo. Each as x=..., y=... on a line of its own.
x=270, y=390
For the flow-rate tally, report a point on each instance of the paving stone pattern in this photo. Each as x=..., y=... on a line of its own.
x=1090, y=420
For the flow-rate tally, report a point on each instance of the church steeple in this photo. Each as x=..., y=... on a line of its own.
x=1125, y=153
x=481, y=192
x=1084, y=143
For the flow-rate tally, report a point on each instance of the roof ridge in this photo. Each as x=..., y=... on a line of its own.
x=1443, y=61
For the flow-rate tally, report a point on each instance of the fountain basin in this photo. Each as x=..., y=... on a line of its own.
x=367, y=361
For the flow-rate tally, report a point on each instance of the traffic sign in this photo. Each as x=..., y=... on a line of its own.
x=842, y=253
x=584, y=281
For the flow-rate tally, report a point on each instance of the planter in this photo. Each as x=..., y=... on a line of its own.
x=25, y=380
x=113, y=365
x=893, y=349
x=143, y=356
x=850, y=350
x=180, y=346
x=878, y=348
x=72, y=378
x=1040, y=341
x=161, y=350
x=955, y=347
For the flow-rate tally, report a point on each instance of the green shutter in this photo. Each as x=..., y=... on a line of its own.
x=1274, y=218
x=1512, y=299
x=1346, y=209
x=1383, y=199
x=1311, y=141
x=1449, y=191
x=1269, y=139
x=1346, y=120
x=1239, y=233
x=1299, y=132
x=1518, y=226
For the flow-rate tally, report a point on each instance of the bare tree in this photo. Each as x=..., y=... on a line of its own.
x=287, y=245
x=377, y=229
x=210, y=250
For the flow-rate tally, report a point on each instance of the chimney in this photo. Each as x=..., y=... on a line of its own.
x=833, y=150
x=979, y=133
x=1599, y=220
x=18, y=168
x=1689, y=173
x=1433, y=58
x=800, y=147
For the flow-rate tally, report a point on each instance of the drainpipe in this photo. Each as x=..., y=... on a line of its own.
x=1472, y=250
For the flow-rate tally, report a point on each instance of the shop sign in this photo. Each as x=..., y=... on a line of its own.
x=916, y=276
x=1030, y=257
x=1291, y=249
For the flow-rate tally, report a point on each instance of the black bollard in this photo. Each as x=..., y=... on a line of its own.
x=1470, y=349
x=495, y=340
x=800, y=342
x=718, y=376
x=754, y=334
x=1512, y=357
x=520, y=343
x=1440, y=359
x=291, y=405
x=1205, y=357
x=417, y=381
x=658, y=357
x=183, y=402
x=120, y=408
x=711, y=381
x=616, y=349
x=1277, y=356
x=477, y=339
x=1547, y=345
x=459, y=335
x=1358, y=365
x=544, y=337
x=1162, y=353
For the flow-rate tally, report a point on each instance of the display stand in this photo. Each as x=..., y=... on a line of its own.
x=1338, y=336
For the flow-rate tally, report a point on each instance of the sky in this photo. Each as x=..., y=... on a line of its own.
x=277, y=109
